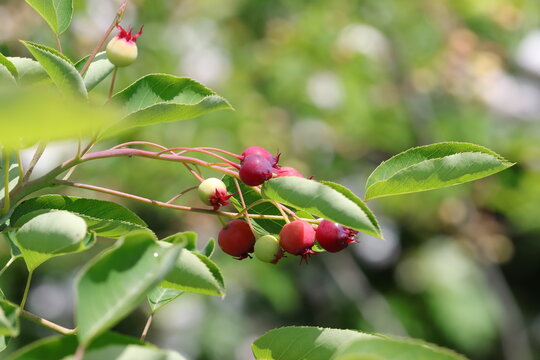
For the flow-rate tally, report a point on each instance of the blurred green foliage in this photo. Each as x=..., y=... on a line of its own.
x=337, y=87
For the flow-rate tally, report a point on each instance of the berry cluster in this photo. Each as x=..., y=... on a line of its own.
x=298, y=237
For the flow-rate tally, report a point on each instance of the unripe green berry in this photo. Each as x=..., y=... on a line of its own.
x=267, y=249
x=207, y=189
x=122, y=49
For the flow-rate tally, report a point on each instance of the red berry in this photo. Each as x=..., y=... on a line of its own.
x=297, y=238
x=334, y=237
x=255, y=170
x=257, y=150
x=236, y=239
x=288, y=171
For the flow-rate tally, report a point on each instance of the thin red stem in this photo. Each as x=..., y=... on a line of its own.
x=202, y=151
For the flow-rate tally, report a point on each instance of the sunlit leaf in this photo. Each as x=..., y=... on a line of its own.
x=322, y=200
x=160, y=98
x=105, y=218
x=99, y=69
x=60, y=69
x=159, y=297
x=52, y=234
x=57, y=13
x=432, y=167
x=115, y=282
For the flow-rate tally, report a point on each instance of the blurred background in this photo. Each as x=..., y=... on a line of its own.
x=336, y=87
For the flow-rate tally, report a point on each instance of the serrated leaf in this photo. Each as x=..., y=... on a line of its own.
x=188, y=239
x=195, y=273
x=98, y=70
x=59, y=347
x=28, y=70
x=57, y=13
x=115, y=282
x=9, y=66
x=60, y=69
x=160, y=98
x=160, y=297
x=351, y=196
x=432, y=167
x=320, y=200
x=392, y=348
x=105, y=218
x=6, y=77
x=9, y=318
x=311, y=343
x=52, y=234
x=303, y=343
x=209, y=248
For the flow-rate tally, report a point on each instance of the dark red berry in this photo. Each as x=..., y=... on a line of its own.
x=257, y=150
x=297, y=238
x=236, y=239
x=334, y=237
x=255, y=170
x=288, y=171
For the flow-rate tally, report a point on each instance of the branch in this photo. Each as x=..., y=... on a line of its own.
x=48, y=324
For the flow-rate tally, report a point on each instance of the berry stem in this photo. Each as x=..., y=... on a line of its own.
x=147, y=327
x=147, y=143
x=116, y=21
x=194, y=173
x=202, y=151
x=113, y=81
x=227, y=214
x=59, y=44
x=241, y=196
x=46, y=323
x=26, y=289
x=174, y=198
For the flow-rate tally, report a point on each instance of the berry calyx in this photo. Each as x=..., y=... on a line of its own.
x=255, y=170
x=267, y=249
x=297, y=238
x=334, y=237
x=236, y=239
x=213, y=192
x=122, y=49
x=288, y=171
x=258, y=150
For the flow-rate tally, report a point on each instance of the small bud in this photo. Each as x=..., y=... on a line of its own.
x=122, y=49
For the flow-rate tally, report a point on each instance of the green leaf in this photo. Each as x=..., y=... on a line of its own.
x=115, y=282
x=195, y=273
x=60, y=69
x=393, y=348
x=9, y=318
x=98, y=70
x=159, y=98
x=9, y=66
x=129, y=352
x=10, y=238
x=28, y=70
x=52, y=234
x=105, y=218
x=322, y=200
x=59, y=347
x=303, y=343
x=209, y=248
x=13, y=179
x=159, y=297
x=432, y=167
x=187, y=239
x=310, y=343
x=51, y=116
x=57, y=13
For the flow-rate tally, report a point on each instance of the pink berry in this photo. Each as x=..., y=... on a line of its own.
x=236, y=239
x=257, y=150
x=255, y=170
x=334, y=237
x=297, y=238
x=288, y=171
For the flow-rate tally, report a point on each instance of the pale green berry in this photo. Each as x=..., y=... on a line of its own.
x=267, y=249
x=121, y=52
x=207, y=190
